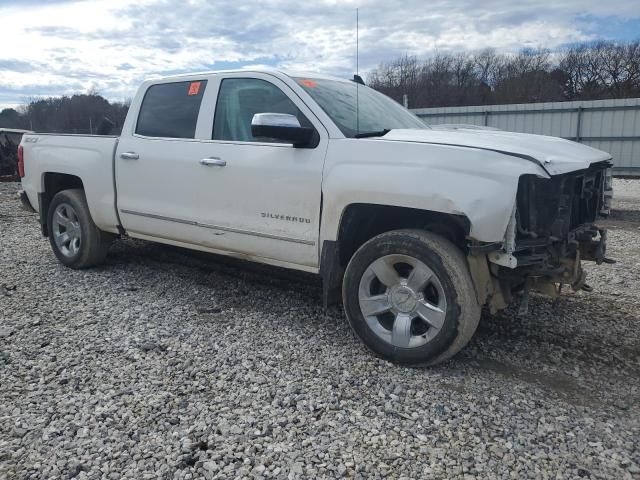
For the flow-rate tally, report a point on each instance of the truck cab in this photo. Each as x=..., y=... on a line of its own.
x=190, y=170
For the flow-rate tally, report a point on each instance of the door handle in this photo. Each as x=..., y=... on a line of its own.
x=213, y=162
x=129, y=156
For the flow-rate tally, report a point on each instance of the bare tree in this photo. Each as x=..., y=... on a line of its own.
x=75, y=114
x=586, y=71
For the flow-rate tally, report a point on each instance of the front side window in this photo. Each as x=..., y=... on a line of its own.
x=240, y=99
x=342, y=99
x=171, y=109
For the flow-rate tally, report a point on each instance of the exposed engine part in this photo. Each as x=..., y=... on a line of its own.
x=550, y=233
x=551, y=208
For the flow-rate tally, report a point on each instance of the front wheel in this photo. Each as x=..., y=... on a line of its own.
x=75, y=239
x=409, y=296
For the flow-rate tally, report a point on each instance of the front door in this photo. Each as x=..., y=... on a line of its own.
x=259, y=197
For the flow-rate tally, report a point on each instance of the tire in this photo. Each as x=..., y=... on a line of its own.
x=420, y=311
x=87, y=245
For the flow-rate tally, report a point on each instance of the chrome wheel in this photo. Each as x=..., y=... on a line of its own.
x=402, y=301
x=66, y=230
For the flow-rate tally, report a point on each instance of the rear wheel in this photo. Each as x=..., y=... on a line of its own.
x=76, y=241
x=409, y=296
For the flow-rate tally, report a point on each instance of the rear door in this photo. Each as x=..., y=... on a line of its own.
x=157, y=166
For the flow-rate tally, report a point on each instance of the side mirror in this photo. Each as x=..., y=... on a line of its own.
x=281, y=126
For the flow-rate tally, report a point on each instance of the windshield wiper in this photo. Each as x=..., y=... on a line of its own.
x=379, y=133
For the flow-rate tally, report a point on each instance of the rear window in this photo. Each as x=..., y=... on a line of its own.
x=171, y=109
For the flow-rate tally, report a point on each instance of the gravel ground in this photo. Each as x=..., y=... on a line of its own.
x=169, y=364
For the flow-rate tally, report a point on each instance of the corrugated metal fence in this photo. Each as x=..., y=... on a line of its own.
x=609, y=125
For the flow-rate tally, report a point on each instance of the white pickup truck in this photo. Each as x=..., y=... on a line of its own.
x=418, y=228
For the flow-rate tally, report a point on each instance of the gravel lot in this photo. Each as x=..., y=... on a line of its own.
x=168, y=364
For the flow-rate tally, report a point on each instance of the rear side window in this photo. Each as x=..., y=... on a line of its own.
x=171, y=109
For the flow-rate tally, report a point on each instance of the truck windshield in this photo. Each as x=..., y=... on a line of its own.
x=377, y=113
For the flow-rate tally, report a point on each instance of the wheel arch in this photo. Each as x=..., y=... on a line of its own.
x=359, y=222
x=52, y=183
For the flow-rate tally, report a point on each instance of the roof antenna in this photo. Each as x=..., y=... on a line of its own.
x=356, y=77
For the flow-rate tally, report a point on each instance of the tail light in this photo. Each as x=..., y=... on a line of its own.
x=20, y=161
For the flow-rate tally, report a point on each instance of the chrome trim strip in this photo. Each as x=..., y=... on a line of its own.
x=257, y=234
x=219, y=227
x=158, y=217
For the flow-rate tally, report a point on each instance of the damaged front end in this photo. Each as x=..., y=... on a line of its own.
x=551, y=231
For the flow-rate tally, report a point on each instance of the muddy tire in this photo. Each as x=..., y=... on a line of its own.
x=409, y=296
x=74, y=238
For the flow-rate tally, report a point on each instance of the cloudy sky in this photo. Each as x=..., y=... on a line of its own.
x=56, y=47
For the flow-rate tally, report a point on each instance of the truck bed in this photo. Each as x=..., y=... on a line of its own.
x=90, y=157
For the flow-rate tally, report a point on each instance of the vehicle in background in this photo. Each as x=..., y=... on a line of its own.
x=9, y=141
x=414, y=228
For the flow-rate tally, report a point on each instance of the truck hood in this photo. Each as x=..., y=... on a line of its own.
x=555, y=155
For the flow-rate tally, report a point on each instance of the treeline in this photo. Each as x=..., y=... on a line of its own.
x=588, y=71
x=74, y=114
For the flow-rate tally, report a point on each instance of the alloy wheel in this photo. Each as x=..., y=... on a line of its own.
x=66, y=230
x=402, y=300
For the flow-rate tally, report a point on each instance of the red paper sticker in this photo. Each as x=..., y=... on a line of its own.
x=309, y=83
x=194, y=88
